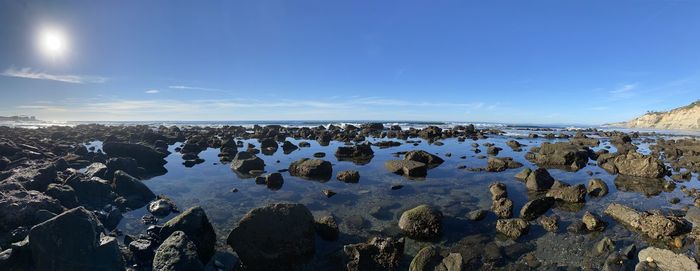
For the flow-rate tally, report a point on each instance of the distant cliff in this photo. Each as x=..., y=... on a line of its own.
x=18, y=118
x=685, y=118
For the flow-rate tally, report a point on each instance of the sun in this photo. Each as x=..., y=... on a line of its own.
x=53, y=42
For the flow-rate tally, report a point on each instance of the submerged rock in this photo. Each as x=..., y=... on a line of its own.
x=177, y=252
x=376, y=255
x=421, y=222
x=535, y=208
x=275, y=237
x=348, y=176
x=74, y=240
x=327, y=228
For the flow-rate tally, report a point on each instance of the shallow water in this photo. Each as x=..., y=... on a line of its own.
x=371, y=207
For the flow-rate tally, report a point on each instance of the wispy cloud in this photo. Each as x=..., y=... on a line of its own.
x=180, y=87
x=152, y=91
x=66, y=78
x=625, y=91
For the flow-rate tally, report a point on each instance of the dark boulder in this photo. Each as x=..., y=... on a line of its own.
x=422, y=222
x=539, y=180
x=274, y=237
x=176, y=253
x=245, y=162
x=315, y=169
x=195, y=224
x=18, y=207
x=146, y=156
x=378, y=254
x=133, y=190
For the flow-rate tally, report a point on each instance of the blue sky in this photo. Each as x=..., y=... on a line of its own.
x=572, y=62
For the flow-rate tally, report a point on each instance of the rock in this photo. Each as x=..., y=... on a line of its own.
x=574, y=194
x=539, y=180
x=522, y=175
x=96, y=170
x=427, y=259
x=515, y=145
x=274, y=237
x=74, y=240
x=424, y=157
x=653, y=225
x=597, y=187
x=513, y=227
x=496, y=164
x=328, y=193
x=535, y=208
x=593, y=222
x=549, y=223
x=327, y=228
x=422, y=222
x=560, y=154
x=576, y=227
x=498, y=190
x=477, y=215
x=195, y=224
x=34, y=178
x=668, y=260
x=160, y=207
x=145, y=156
x=604, y=246
x=274, y=180
x=493, y=150
x=63, y=193
x=126, y=164
x=503, y=208
x=93, y=192
x=245, y=162
x=376, y=255
x=18, y=206
x=348, y=176
x=360, y=154
x=407, y=168
x=177, y=252
x=633, y=164
x=315, y=169
x=452, y=262
x=133, y=190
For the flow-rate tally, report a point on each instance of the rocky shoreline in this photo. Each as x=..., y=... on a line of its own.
x=61, y=200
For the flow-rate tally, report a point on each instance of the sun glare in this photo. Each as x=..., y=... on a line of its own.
x=53, y=42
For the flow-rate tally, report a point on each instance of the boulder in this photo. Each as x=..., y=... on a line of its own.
x=360, y=154
x=496, y=164
x=275, y=237
x=146, y=156
x=377, y=254
x=513, y=227
x=597, y=188
x=539, y=180
x=133, y=190
x=18, y=207
x=427, y=259
x=560, y=154
x=668, y=260
x=503, y=207
x=274, y=180
x=422, y=222
x=195, y=224
x=655, y=226
x=424, y=157
x=633, y=164
x=176, y=253
x=93, y=192
x=315, y=169
x=348, y=176
x=535, y=208
x=74, y=240
x=550, y=223
x=573, y=194
x=63, y=193
x=407, y=168
x=523, y=174
x=34, y=178
x=593, y=222
x=97, y=170
x=498, y=190
x=327, y=228
x=245, y=162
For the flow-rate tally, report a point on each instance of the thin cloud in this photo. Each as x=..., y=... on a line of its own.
x=180, y=87
x=623, y=92
x=152, y=91
x=28, y=73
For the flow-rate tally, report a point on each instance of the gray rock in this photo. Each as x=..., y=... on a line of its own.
x=18, y=206
x=573, y=194
x=593, y=222
x=604, y=246
x=668, y=260
x=348, y=176
x=498, y=190
x=498, y=164
x=535, y=208
x=477, y=215
x=195, y=224
x=315, y=169
x=74, y=240
x=513, y=227
x=421, y=222
x=633, y=164
x=424, y=157
x=427, y=259
x=274, y=237
x=177, y=252
x=376, y=255
x=407, y=168
x=133, y=190
x=245, y=162
x=539, y=180
x=63, y=193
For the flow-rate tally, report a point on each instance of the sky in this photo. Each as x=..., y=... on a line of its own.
x=535, y=62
